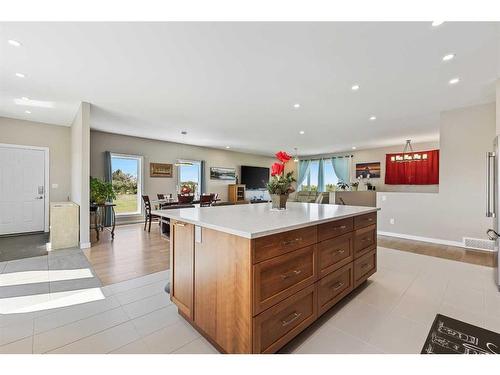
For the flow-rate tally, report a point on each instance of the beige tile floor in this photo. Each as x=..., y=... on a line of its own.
x=392, y=313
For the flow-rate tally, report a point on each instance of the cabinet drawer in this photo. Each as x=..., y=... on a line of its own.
x=281, y=243
x=276, y=326
x=333, y=287
x=365, y=239
x=364, y=267
x=334, y=253
x=365, y=220
x=278, y=278
x=335, y=228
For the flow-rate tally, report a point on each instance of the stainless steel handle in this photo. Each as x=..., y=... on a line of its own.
x=291, y=274
x=38, y=197
x=365, y=265
x=289, y=242
x=293, y=318
x=340, y=227
x=490, y=182
x=340, y=251
x=179, y=224
x=338, y=286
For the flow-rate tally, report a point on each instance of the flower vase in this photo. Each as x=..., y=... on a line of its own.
x=278, y=201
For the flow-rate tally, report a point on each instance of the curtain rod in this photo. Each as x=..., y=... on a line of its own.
x=333, y=157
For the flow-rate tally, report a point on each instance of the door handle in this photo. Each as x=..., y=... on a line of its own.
x=38, y=197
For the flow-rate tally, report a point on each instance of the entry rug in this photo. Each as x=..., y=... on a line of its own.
x=451, y=336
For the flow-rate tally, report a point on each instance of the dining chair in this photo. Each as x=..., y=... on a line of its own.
x=185, y=198
x=206, y=200
x=147, y=210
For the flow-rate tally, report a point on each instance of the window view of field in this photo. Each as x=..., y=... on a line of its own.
x=125, y=182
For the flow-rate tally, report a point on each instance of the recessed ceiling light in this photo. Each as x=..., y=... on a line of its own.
x=373, y=118
x=301, y=132
x=28, y=112
x=454, y=81
x=437, y=23
x=25, y=98
x=354, y=147
x=296, y=105
x=449, y=57
x=355, y=88
x=20, y=75
x=14, y=43
x=228, y=146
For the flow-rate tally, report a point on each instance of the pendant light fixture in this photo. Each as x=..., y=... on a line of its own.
x=181, y=162
x=296, y=156
x=408, y=154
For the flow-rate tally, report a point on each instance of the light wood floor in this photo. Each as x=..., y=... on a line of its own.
x=460, y=254
x=133, y=253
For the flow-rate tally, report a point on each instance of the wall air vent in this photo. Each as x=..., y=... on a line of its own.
x=479, y=244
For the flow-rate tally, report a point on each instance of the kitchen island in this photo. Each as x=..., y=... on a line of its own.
x=250, y=279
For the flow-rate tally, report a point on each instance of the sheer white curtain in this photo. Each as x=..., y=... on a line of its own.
x=303, y=171
x=342, y=167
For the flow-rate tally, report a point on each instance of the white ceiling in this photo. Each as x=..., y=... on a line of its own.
x=234, y=84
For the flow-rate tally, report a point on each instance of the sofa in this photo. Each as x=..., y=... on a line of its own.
x=309, y=197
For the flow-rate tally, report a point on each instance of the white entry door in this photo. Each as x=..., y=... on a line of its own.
x=22, y=190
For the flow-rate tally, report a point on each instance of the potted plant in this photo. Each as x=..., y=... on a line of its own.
x=342, y=185
x=280, y=184
x=101, y=191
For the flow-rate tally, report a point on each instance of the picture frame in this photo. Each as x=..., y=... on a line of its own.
x=222, y=173
x=160, y=170
x=371, y=169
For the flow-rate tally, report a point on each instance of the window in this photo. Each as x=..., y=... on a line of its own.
x=189, y=174
x=311, y=181
x=127, y=182
x=330, y=179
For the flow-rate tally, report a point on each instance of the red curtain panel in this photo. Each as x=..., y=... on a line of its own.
x=423, y=172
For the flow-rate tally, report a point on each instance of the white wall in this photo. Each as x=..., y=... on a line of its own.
x=155, y=151
x=80, y=169
x=458, y=210
x=378, y=155
x=56, y=138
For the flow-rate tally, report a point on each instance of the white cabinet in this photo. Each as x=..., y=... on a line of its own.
x=64, y=225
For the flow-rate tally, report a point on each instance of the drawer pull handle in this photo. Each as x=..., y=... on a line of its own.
x=366, y=239
x=340, y=251
x=290, y=242
x=338, y=286
x=370, y=219
x=293, y=318
x=340, y=227
x=366, y=265
x=179, y=224
x=291, y=274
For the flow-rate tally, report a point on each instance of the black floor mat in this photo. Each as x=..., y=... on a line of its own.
x=23, y=246
x=451, y=336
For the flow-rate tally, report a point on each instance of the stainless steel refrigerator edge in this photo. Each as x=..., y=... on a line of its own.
x=492, y=198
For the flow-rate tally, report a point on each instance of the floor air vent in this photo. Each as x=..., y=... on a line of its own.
x=479, y=244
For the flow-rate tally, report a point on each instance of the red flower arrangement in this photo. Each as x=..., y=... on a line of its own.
x=185, y=190
x=281, y=182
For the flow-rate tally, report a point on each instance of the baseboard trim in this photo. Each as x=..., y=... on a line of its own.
x=423, y=239
x=85, y=245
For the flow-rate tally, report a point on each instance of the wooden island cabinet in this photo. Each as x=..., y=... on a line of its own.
x=253, y=292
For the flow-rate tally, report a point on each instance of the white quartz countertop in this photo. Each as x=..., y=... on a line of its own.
x=258, y=220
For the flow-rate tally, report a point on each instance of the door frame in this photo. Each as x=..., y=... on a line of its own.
x=46, y=174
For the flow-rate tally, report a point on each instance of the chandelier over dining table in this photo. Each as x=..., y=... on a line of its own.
x=408, y=154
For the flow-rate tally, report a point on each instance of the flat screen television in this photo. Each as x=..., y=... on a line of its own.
x=254, y=177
